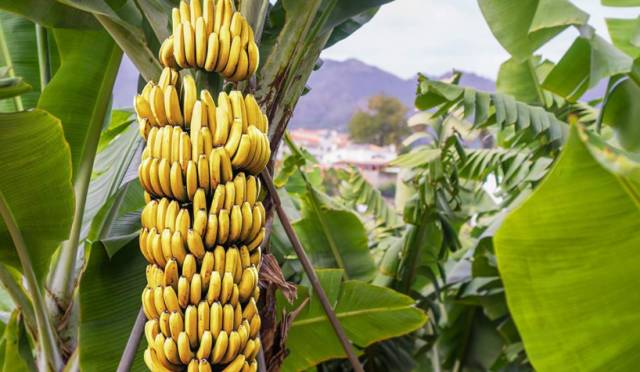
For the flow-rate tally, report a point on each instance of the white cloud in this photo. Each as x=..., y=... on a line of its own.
x=434, y=36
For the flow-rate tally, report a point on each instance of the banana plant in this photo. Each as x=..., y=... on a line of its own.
x=63, y=272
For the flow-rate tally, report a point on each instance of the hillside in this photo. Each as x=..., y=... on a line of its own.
x=340, y=88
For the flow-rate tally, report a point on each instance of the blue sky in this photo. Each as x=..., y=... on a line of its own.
x=434, y=36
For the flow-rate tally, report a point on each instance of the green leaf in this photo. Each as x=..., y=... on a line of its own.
x=622, y=111
x=19, y=35
x=346, y=9
x=12, y=86
x=519, y=80
x=621, y=3
x=568, y=257
x=80, y=91
x=109, y=169
x=368, y=314
x=333, y=237
x=109, y=303
x=524, y=26
x=17, y=351
x=622, y=32
x=587, y=61
x=349, y=26
x=506, y=112
x=50, y=13
x=36, y=166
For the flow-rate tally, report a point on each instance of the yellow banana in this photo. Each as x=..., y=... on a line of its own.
x=227, y=288
x=164, y=78
x=185, y=150
x=222, y=127
x=211, y=234
x=183, y=291
x=206, y=344
x=189, y=43
x=210, y=106
x=178, y=46
x=176, y=137
x=153, y=177
x=201, y=42
x=167, y=138
x=256, y=257
x=213, y=48
x=199, y=202
x=219, y=255
x=228, y=313
x=200, y=222
x=254, y=57
x=236, y=364
x=195, y=244
x=216, y=319
x=158, y=300
x=226, y=169
x=191, y=324
x=252, y=190
x=189, y=268
x=233, y=348
x=242, y=68
x=214, y=170
x=195, y=8
x=247, y=221
x=171, y=351
x=228, y=13
x=245, y=34
x=240, y=183
x=236, y=24
x=224, y=39
x=207, y=140
x=250, y=309
x=164, y=170
x=203, y=173
x=165, y=244
x=197, y=118
x=144, y=235
x=148, y=304
x=255, y=243
x=157, y=105
x=237, y=316
x=171, y=274
x=176, y=182
x=223, y=226
x=235, y=295
x=208, y=15
x=245, y=257
x=172, y=106
x=184, y=349
x=175, y=19
x=183, y=222
x=219, y=195
x=203, y=318
x=243, y=153
x=177, y=247
x=218, y=16
x=196, y=289
x=176, y=325
x=192, y=179
x=156, y=248
x=143, y=108
x=206, y=268
x=246, y=285
x=236, y=223
x=253, y=110
x=234, y=56
x=220, y=347
x=190, y=95
x=255, y=326
x=185, y=12
x=144, y=127
x=215, y=286
x=151, y=329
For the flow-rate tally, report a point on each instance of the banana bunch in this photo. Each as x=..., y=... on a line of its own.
x=212, y=37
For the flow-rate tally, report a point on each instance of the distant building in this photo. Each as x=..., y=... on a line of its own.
x=334, y=149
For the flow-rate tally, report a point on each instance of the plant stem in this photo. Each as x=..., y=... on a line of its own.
x=311, y=274
x=43, y=56
x=19, y=297
x=129, y=353
x=6, y=55
x=46, y=333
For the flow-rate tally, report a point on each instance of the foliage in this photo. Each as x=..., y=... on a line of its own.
x=383, y=123
x=367, y=312
x=591, y=196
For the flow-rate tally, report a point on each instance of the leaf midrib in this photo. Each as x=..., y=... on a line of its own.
x=347, y=314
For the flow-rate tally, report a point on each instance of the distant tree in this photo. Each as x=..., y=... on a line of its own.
x=383, y=123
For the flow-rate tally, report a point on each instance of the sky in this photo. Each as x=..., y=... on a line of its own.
x=434, y=36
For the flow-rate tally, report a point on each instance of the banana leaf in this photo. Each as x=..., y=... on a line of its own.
x=568, y=258
x=368, y=314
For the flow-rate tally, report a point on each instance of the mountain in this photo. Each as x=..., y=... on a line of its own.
x=339, y=88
